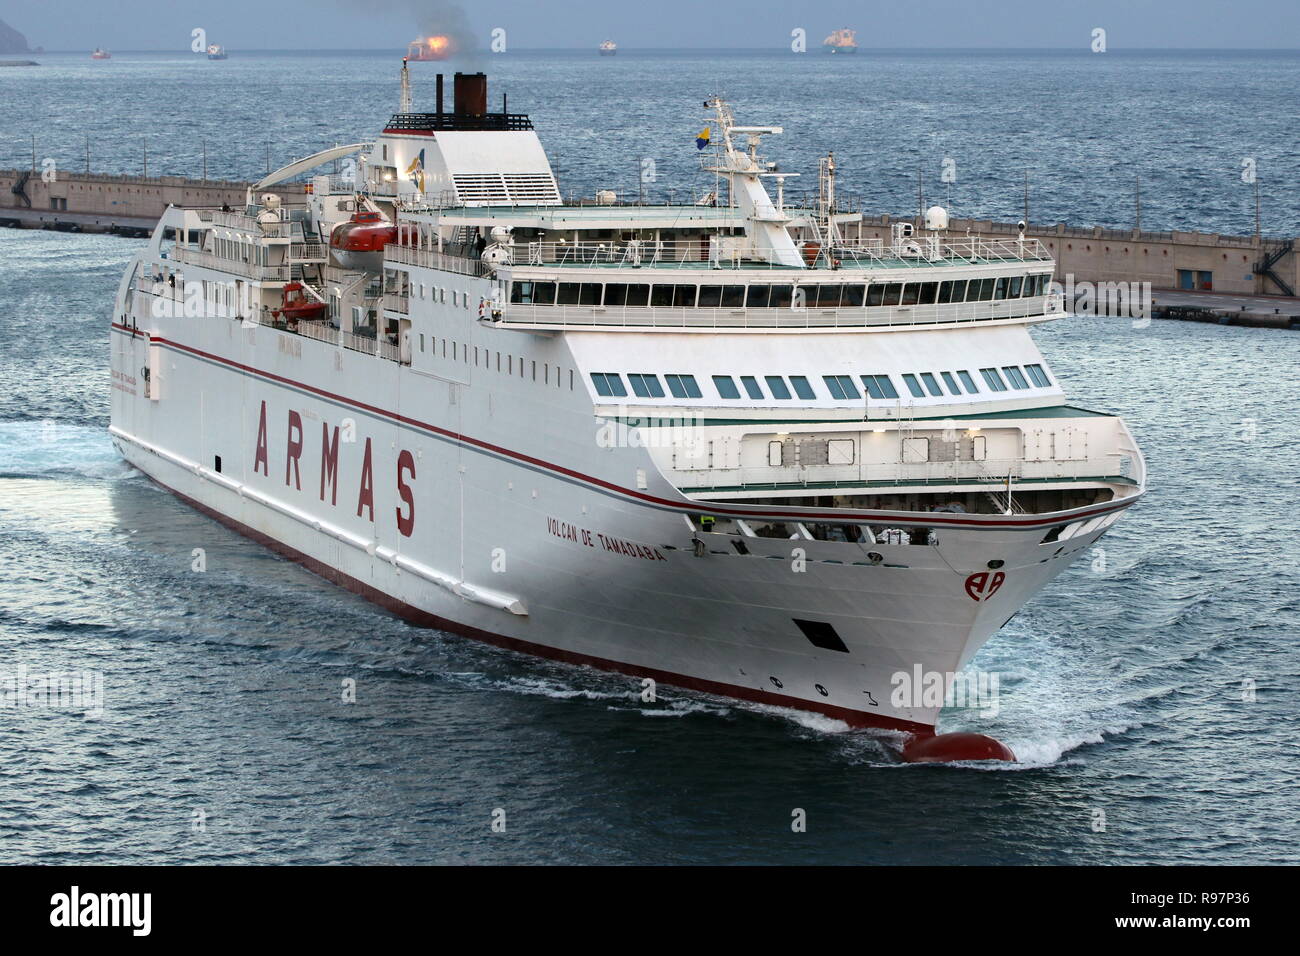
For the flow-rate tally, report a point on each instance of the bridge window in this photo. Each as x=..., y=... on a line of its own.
x=931, y=384
x=969, y=381
x=1038, y=376
x=928, y=291
x=979, y=290
x=953, y=387
x=782, y=297
x=841, y=386
x=710, y=296
x=579, y=293
x=884, y=294
x=913, y=385
x=758, y=296
x=726, y=386
x=802, y=388
x=1015, y=377
x=733, y=296
x=776, y=385
x=1016, y=283
x=679, y=296
x=824, y=296
x=530, y=293
x=879, y=386
x=752, y=388
x=645, y=385
x=854, y=296
x=952, y=291
x=609, y=384
x=1000, y=287
x=617, y=294
x=683, y=386
x=993, y=379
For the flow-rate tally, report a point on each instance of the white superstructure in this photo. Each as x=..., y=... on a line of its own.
x=732, y=446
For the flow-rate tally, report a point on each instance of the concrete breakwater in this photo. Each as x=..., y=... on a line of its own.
x=98, y=202
x=1179, y=260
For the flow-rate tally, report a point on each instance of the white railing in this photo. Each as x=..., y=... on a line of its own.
x=432, y=259
x=349, y=340
x=922, y=250
x=992, y=473
x=729, y=252
x=307, y=251
x=318, y=331
x=397, y=303
x=672, y=317
x=249, y=270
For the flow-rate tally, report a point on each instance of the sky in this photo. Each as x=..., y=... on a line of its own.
x=530, y=24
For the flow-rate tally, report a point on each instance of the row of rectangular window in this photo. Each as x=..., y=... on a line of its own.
x=841, y=387
x=765, y=295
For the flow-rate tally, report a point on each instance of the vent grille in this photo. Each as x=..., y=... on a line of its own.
x=524, y=189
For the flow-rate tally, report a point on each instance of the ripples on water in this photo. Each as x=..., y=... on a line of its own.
x=1121, y=685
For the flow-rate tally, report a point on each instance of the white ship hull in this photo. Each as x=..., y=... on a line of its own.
x=531, y=538
x=476, y=425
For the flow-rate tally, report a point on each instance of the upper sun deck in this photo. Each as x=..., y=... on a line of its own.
x=592, y=236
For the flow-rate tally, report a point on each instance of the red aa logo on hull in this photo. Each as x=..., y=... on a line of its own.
x=984, y=585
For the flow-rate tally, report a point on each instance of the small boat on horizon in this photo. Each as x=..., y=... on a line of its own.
x=101, y=54
x=608, y=48
x=216, y=52
x=841, y=41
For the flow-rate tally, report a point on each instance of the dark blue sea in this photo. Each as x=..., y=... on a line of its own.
x=1151, y=691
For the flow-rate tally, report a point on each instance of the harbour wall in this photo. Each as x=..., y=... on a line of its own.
x=111, y=203
x=1215, y=262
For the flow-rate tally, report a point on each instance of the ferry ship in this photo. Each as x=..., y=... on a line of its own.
x=100, y=53
x=741, y=446
x=608, y=48
x=841, y=41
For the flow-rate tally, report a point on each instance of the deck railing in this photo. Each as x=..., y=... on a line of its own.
x=250, y=270
x=433, y=259
x=671, y=317
x=731, y=252
x=992, y=473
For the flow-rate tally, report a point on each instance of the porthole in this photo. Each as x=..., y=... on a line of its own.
x=822, y=690
x=996, y=563
x=775, y=682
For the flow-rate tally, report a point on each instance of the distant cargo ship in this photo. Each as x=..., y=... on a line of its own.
x=100, y=54
x=430, y=48
x=216, y=52
x=841, y=41
x=608, y=48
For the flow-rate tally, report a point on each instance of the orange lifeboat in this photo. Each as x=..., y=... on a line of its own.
x=297, y=306
x=359, y=243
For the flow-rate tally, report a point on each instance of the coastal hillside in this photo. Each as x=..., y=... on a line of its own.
x=11, y=41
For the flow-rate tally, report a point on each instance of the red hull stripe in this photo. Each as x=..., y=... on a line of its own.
x=854, y=718
x=689, y=507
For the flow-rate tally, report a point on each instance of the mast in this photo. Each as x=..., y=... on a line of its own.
x=766, y=226
x=406, y=88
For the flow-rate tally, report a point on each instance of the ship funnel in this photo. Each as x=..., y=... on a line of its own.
x=470, y=94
